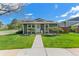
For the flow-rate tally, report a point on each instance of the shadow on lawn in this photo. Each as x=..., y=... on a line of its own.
x=50, y=35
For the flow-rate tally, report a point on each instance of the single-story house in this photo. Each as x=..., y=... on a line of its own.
x=37, y=26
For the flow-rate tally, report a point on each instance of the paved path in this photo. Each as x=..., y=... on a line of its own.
x=7, y=32
x=39, y=50
x=38, y=42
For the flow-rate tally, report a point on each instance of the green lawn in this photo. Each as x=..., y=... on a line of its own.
x=68, y=40
x=16, y=41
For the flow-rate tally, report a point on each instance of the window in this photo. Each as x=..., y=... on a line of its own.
x=52, y=25
x=29, y=25
x=33, y=25
x=46, y=25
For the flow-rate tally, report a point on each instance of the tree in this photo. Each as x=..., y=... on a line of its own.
x=64, y=23
x=0, y=24
x=15, y=24
x=6, y=8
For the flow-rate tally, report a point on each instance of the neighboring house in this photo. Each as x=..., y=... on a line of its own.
x=77, y=25
x=69, y=22
x=72, y=21
x=3, y=26
x=37, y=26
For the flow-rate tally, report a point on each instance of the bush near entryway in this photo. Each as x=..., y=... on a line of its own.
x=53, y=29
x=64, y=29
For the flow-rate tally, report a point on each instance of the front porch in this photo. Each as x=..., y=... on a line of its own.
x=37, y=28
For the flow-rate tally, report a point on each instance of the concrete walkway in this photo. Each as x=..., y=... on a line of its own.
x=38, y=42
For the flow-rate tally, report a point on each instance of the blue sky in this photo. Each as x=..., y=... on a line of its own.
x=48, y=11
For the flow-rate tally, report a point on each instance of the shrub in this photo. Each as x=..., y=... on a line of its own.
x=54, y=29
x=77, y=29
x=19, y=32
x=74, y=29
x=65, y=29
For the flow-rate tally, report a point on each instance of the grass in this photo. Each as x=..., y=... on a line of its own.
x=16, y=41
x=68, y=40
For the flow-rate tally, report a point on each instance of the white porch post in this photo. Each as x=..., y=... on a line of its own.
x=31, y=28
x=27, y=28
x=23, y=28
x=35, y=28
x=48, y=28
x=44, y=28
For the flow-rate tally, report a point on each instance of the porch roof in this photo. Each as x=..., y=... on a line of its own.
x=37, y=21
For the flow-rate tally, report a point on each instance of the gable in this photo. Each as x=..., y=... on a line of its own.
x=40, y=20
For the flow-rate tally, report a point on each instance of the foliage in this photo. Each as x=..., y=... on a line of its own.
x=6, y=8
x=0, y=24
x=15, y=24
x=65, y=29
x=73, y=28
x=55, y=29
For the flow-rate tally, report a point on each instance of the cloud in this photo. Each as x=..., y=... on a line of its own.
x=75, y=15
x=56, y=6
x=56, y=16
x=64, y=15
x=71, y=11
x=61, y=20
x=29, y=14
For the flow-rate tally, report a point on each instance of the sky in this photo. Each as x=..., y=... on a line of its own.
x=48, y=11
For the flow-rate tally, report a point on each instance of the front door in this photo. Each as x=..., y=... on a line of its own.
x=37, y=29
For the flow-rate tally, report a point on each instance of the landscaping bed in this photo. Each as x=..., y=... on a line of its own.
x=16, y=41
x=66, y=40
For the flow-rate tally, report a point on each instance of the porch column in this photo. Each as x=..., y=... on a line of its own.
x=27, y=28
x=31, y=28
x=44, y=28
x=35, y=28
x=23, y=28
x=48, y=28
